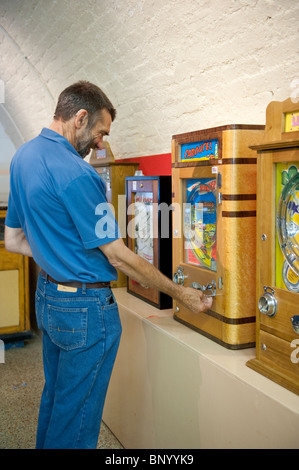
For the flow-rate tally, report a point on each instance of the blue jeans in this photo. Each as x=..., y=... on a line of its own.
x=81, y=334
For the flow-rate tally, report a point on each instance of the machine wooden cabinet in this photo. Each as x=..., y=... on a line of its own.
x=14, y=291
x=214, y=226
x=114, y=175
x=277, y=281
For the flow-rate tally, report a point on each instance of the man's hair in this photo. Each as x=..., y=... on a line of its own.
x=83, y=95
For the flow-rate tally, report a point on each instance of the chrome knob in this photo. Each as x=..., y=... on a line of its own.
x=267, y=303
x=295, y=323
x=179, y=276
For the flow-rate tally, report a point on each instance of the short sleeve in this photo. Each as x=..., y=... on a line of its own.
x=85, y=201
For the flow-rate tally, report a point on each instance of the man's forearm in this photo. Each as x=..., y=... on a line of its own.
x=16, y=242
x=145, y=273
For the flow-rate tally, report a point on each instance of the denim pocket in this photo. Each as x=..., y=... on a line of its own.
x=111, y=315
x=110, y=301
x=67, y=326
x=38, y=309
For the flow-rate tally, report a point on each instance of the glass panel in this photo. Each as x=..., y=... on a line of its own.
x=105, y=175
x=200, y=222
x=287, y=224
x=143, y=225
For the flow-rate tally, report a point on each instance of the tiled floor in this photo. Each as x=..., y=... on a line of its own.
x=21, y=384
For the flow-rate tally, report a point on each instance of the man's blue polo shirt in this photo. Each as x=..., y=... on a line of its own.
x=59, y=201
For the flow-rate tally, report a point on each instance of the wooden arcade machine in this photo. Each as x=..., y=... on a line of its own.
x=114, y=175
x=149, y=231
x=277, y=303
x=214, y=224
x=14, y=292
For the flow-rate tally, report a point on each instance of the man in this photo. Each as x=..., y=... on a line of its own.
x=52, y=216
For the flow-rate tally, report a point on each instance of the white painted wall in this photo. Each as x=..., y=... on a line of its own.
x=168, y=67
x=10, y=140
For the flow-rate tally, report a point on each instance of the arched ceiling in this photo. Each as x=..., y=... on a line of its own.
x=168, y=67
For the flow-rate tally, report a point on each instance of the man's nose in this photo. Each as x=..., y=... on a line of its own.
x=99, y=144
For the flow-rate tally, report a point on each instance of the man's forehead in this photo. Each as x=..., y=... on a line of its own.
x=104, y=120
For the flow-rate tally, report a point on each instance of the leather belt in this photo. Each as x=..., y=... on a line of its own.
x=77, y=284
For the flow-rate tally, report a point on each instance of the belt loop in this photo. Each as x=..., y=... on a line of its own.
x=83, y=288
x=44, y=276
x=44, y=279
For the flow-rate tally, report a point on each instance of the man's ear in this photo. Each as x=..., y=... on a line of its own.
x=81, y=118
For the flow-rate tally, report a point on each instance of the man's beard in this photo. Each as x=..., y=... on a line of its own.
x=84, y=145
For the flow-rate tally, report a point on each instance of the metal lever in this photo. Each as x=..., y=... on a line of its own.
x=211, y=286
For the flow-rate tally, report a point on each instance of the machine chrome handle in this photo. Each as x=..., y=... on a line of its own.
x=267, y=303
x=209, y=290
x=295, y=323
x=179, y=276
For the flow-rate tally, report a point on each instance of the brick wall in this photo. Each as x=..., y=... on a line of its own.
x=168, y=66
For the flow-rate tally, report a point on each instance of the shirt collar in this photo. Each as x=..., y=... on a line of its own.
x=52, y=135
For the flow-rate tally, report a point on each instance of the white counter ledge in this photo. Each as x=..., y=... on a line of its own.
x=174, y=388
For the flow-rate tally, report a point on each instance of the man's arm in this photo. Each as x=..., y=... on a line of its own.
x=144, y=272
x=16, y=242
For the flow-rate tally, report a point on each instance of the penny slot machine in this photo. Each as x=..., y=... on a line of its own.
x=277, y=302
x=113, y=173
x=148, y=201
x=214, y=224
x=14, y=292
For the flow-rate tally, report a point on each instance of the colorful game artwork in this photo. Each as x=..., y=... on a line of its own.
x=287, y=220
x=143, y=226
x=200, y=219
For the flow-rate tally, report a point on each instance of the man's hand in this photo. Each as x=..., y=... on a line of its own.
x=195, y=300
